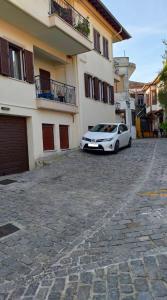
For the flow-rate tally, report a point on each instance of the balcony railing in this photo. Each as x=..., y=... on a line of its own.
x=49, y=89
x=69, y=14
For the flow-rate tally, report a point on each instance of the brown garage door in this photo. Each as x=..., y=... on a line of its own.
x=13, y=145
x=64, y=139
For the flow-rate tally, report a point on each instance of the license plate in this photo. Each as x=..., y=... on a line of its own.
x=93, y=145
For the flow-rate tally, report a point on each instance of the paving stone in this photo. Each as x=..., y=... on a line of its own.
x=159, y=289
x=126, y=289
x=141, y=285
x=91, y=238
x=42, y=293
x=99, y=297
x=113, y=294
x=84, y=292
x=99, y=287
x=58, y=285
x=144, y=296
x=54, y=296
x=125, y=278
x=86, y=278
x=32, y=288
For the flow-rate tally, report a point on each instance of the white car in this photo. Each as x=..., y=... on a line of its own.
x=107, y=137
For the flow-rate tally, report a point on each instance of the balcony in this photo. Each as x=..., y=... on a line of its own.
x=66, y=12
x=54, y=22
x=54, y=95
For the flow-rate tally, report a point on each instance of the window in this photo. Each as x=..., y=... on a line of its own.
x=154, y=97
x=148, y=99
x=97, y=41
x=140, y=99
x=48, y=137
x=105, y=128
x=105, y=48
x=133, y=118
x=90, y=127
x=89, y=86
x=15, y=62
x=96, y=88
x=105, y=92
x=123, y=128
x=111, y=95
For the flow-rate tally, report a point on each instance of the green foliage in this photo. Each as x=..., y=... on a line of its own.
x=163, y=97
x=83, y=27
x=163, y=79
x=163, y=74
x=164, y=126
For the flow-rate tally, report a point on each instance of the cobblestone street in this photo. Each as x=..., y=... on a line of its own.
x=92, y=227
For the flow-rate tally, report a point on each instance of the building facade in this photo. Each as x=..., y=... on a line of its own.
x=56, y=76
x=125, y=104
x=154, y=110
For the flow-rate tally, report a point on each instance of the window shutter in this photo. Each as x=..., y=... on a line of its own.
x=87, y=85
x=95, y=39
x=4, y=57
x=96, y=88
x=105, y=97
x=111, y=93
x=104, y=47
x=28, y=66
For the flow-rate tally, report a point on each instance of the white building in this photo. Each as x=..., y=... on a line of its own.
x=67, y=45
x=124, y=103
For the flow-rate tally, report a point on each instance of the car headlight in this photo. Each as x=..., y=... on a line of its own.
x=105, y=140
x=84, y=138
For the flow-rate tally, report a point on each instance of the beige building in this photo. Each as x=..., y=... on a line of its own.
x=125, y=104
x=154, y=110
x=56, y=76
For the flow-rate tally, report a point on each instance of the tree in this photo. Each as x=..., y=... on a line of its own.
x=162, y=95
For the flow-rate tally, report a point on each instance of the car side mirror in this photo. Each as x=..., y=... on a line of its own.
x=119, y=131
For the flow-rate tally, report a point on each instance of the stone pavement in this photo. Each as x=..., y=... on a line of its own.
x=91, y=227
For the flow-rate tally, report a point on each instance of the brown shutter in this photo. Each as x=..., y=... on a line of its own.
x=95, y=39
x=111, y=93
x=104, y=47
x=105, y=97
x=28, y=66
x=87, y=85
x=96, y=88
x=4, y=57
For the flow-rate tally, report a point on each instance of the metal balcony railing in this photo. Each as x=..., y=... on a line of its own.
x=69, y=14
x=49, y=89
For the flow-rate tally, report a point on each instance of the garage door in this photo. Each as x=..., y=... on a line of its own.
x=13, y=145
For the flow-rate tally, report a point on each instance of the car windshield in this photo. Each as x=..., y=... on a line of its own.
x=104, y=128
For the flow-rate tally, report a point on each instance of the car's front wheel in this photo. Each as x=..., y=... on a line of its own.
x=116, y=148
x=130, y=143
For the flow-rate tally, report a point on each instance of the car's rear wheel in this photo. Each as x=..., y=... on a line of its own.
x=116, y=148
x=130, y=143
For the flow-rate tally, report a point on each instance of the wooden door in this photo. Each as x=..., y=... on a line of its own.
x=48, y=137
x=44, y=80
x=13, y=145
x=64, y=137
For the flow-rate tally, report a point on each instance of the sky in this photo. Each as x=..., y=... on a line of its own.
x=146, y=21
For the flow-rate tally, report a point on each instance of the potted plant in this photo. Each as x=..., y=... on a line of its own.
x=83, y=26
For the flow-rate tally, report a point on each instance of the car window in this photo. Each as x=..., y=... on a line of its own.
x=121, y=128
x=105, y=128
x=125, y=128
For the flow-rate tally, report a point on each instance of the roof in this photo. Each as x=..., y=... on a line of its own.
x=107, y=15
x=136, y=84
